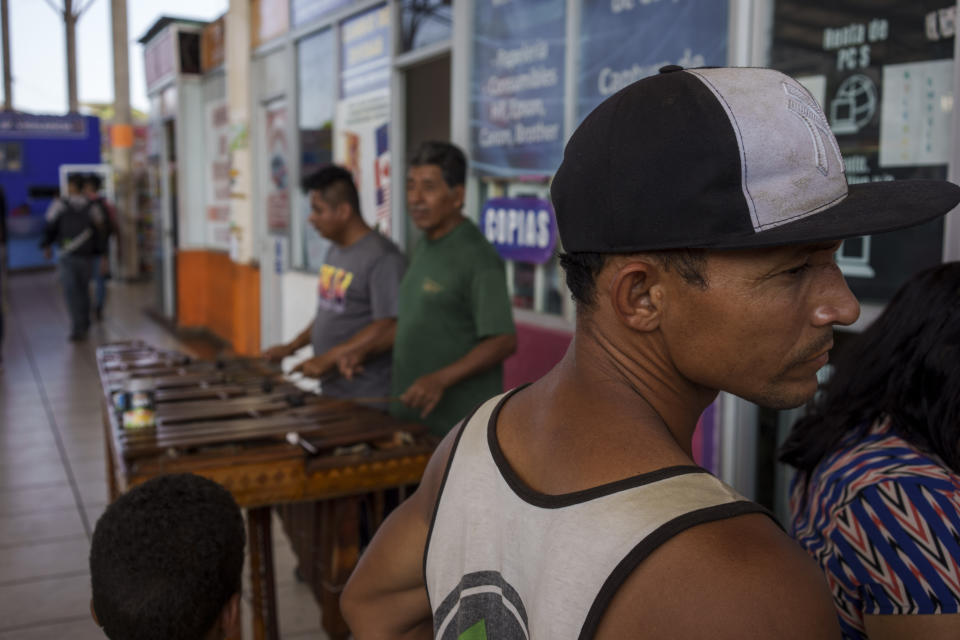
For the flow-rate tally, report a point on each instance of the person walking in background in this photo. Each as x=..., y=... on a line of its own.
x=100, y=265
x=876, y=500
x=72, y=224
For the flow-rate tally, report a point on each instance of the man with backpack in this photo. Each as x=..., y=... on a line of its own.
x=72, y=225
x=100, y=266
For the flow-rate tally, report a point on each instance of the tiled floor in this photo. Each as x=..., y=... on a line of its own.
x=52, y=472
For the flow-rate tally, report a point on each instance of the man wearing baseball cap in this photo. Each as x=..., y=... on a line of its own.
x=700, y=211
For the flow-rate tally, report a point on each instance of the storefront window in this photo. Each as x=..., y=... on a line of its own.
x=316, y=82
x=304, y=11
x=517, y=88
x=648, y=35
x=884, y=77
x=425, y=22
x=883, y=73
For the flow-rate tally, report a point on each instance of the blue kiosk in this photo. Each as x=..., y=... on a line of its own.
x=32, y=148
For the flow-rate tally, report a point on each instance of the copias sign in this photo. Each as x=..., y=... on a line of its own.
x=521, y=229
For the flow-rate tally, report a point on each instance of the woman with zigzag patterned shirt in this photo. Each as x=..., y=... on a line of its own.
x=876, y=500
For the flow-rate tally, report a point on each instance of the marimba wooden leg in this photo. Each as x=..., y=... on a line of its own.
x=377, y=509
x=113, y=491
x=265, y=626
x=340, y=549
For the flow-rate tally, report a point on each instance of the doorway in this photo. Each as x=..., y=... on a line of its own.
x=165, y=247
x=427, y=106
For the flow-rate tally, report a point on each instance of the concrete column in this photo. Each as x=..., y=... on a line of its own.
x=70, y=24
x=237, y=62
x=121, y=142
x=7, y=77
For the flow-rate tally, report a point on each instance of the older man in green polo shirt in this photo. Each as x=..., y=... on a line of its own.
x=454, y=321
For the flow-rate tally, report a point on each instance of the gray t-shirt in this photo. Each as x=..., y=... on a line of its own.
x=358, y=284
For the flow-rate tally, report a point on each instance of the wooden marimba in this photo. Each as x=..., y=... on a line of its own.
x=229, y=421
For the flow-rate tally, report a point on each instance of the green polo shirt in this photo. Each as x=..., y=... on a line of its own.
x=453, y=295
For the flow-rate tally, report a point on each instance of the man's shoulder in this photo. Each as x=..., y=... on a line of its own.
x=474, y=246
x=386, y=247
x=370, y=249
x=736, y=578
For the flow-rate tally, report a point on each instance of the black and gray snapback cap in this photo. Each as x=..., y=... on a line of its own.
x=721, y=158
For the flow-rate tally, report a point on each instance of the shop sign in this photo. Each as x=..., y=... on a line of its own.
x=25, y=125
x=270, y=19
x=520, y=229
x=212, y=45
x=365, y=52
x=305, y=11
x=884, y=77
x=218, y=174
x=278, y=170
x=649, y=34
x=517, y=87
x=159, y=58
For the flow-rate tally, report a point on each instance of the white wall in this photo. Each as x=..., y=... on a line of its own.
x=273, y=80
x=299, y=302
x=191, y=159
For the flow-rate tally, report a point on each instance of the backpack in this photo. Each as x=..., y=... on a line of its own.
x=77, y=229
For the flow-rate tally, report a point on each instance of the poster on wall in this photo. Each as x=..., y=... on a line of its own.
x=648, y=35
x=304, y=11
x=217, y=131
x=365, y=52
x=361, y=126
x=278, y=184
x=361, y=145
x=516, y=89
x=884, y=77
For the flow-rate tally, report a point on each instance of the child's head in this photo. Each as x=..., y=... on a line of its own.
x=166, y=561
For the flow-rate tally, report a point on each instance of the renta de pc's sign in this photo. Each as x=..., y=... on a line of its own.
x=521, y=229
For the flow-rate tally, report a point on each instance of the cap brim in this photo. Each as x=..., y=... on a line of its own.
x=869, y=208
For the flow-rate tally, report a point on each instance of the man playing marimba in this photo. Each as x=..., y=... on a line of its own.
x=357, y=292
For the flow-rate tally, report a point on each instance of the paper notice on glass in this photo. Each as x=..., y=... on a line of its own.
x=916, y=113
x=816, y=85
x=360, y=145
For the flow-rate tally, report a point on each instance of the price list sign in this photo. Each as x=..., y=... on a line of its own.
x=517, y=87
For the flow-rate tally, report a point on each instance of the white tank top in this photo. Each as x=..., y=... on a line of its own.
x=505, y=562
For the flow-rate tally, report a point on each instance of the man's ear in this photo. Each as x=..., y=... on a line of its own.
x=344, y=210
x=459, y=195
x=230, y=617
x=637, y=295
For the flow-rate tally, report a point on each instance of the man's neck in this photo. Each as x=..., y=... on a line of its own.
x=640, y=385
x=446, y=227
x=596, y=419
x=355, y=231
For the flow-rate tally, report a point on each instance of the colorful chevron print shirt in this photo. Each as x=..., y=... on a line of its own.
x=882, y=519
